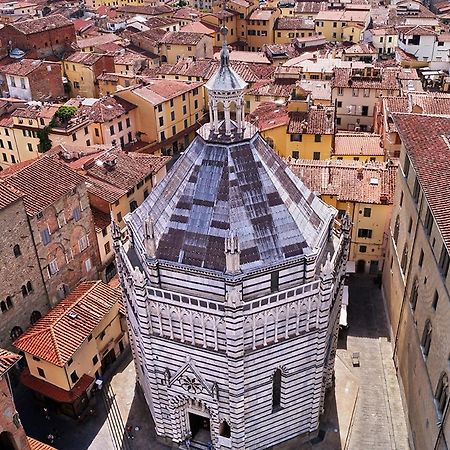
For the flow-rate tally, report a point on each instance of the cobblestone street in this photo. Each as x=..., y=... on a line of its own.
x=379, y=420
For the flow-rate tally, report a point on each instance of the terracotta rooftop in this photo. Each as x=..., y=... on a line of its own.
x=199, y=27
x=361, y=48
x=110, y=173
x=35, y=111
x=42, y=24
x=186, y=13
x=261, y=14
x=158, y=22
x=8, y=195
x=426, y=140
x=310, y=7
x=349, y=181
x=86, y=58
x=294, y=23
x=318, y=120
x=342, y=15
x=269, y=115
x=128, y=57
x=344, y=77
x=60, y=333
x=97, y=40
x=7, y=360
x=103, y=109
x=23, y=67
x=160, y=90
x=416, y=30
x=181, y=38
x=357, y=144
x=35, y=179
x=145, y=10
x=37, y=445
x=273, y=88
x=420, y=103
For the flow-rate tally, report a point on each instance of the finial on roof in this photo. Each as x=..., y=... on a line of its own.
x=224, y=53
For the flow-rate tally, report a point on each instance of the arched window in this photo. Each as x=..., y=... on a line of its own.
x=16, y=332
x=29, y=287
x=24, y=291
x=414, y=294
x=426, y=338
x=404, y=261
x=35, y=316
x=3, y=307
x=276, y=390
x=9, y=303
x=442, y=393
x=16, y=250
x=224, y=429
x=396, y=229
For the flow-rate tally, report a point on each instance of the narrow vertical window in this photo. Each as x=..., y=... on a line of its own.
x=276, y=390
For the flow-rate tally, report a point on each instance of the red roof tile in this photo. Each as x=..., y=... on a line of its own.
x=37, y=445
x=426, y=140
x=36, y=181
x=348, y=180
x=58, y=335
x=318, y=120
x=358, y=144
x=42, y=24
x=181, y=38
x=22, y=68
x=269, y=115
x=7, y=360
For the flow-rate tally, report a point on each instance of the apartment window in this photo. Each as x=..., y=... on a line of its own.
x=119, y=217
x=317, y=138
x=74, y=377
x=414, y=294
x=365, y=111
x=341, y=91
x=339, y=104
x=171, y=103
x=184, y=110
x=111, y=130
x=404, y=260
x=174, y=130
x=70, y=361
x=186, y=124
x=160, y=108
x=119, y=125
x=195, y=91
x=435, y=300
x=316, y=156
x=163, y=136
x=396, y=229
x=444, y=261
x=97, y=133
x=12, y=80
x=296, y=154
x=421, y=258
x=74, y=137
x=83, y=243
x=172, y=115
x=88, y=264
x=366, y=92
x=367, y=212
x=355, y=92
x=296, y=137
x=107, y=247
x=406, y=166
x=30, y=147
x=442, y=394
x=9, y=144
x=76, y=213
x=45, y=236
x=133, y=205
x=416, y=190
x=276, y=390
x=362, y=248
x=85, y=130
x=161, y=121
x=41, y=372
x=364, y=233
x=94, y=360
x=334, y=24
x=195, y=104
x=127, y=121
x=426, y=338
x=428, y=222
x=16, y=250
x=53, y=267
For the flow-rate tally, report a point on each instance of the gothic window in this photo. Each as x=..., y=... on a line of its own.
x=276, y=390
x=16, y=250
x=442, y=393
x=24, y=291
x=426, y=338
x=3, y=307
x=414, y=294
x=29, y=286
x=404, y=261
x=9, y=303
x=224, y=429
x=16, y=332
x=396, y=229
x=35, y=316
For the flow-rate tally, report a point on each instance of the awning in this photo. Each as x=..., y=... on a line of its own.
x=54, y=392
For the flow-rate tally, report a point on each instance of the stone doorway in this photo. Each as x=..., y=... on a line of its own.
x=200, y=427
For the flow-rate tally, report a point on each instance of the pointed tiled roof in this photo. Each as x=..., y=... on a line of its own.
x=244, y=188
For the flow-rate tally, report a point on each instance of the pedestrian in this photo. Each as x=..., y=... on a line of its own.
x=188, y=443
x=51, y=438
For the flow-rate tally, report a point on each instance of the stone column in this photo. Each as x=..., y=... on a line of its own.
x=216, y=117
x=211, y=116
x=226, y=109
x=239, y=117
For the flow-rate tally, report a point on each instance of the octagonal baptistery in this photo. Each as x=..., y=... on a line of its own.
x=232, y=279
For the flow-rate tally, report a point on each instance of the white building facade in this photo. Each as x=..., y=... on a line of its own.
x=233, y=280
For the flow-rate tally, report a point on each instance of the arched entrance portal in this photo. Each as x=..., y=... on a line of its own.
x=7, y=441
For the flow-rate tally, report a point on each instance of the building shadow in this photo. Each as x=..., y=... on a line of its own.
x=366, y=312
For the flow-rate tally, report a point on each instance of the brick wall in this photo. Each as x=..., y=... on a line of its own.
x=46, y=82
x=15, y=272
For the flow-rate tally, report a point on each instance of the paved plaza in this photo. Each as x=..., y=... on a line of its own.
x=364, y=411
